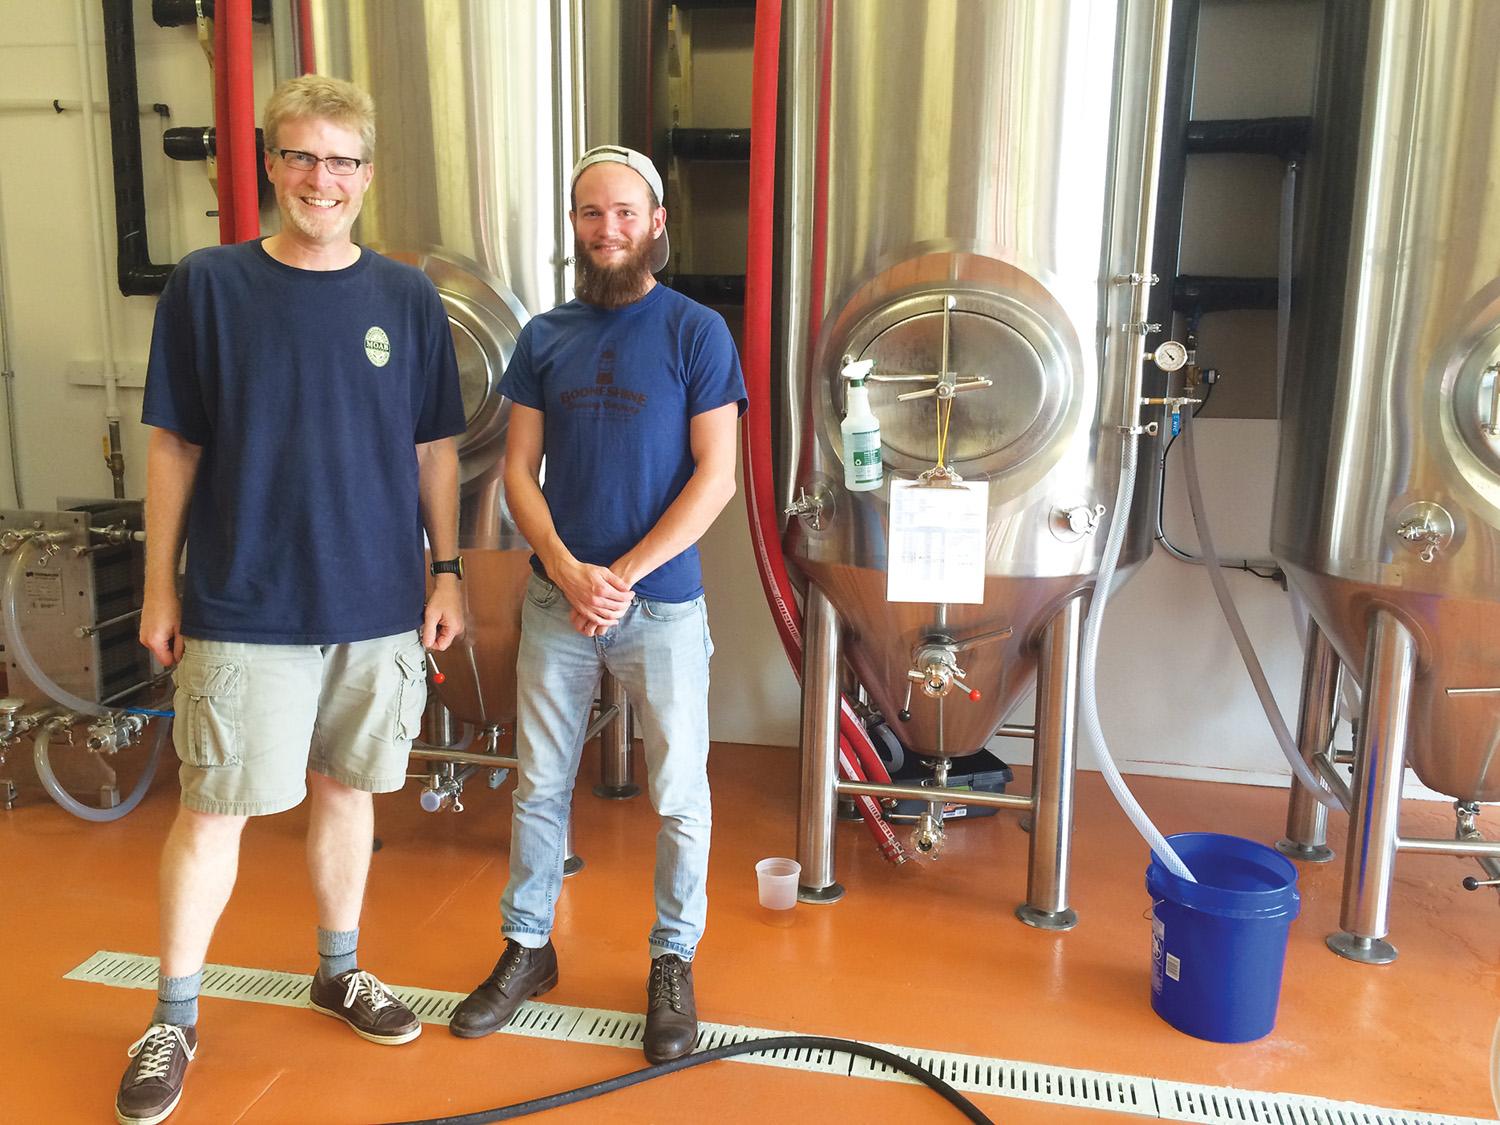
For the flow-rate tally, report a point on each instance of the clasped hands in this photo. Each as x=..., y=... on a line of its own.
x=599, y=597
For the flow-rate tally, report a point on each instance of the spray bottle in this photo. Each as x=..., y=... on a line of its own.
x=863, y=470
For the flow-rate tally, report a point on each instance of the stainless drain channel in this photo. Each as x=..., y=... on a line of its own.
x=973, y=1074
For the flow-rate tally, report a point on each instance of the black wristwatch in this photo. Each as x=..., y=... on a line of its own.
x=449, y=566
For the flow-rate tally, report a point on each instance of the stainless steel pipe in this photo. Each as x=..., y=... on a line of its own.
x=1306, y=817
x=616, y=772
x=818, y=804
x=464, y=757
x=1379, y=765
x=1054, y=770
x=1336, y=784
x=933, y=793
x=1479, y=849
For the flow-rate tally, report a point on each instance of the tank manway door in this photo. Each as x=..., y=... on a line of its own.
x=485, y=320
x=933, y=347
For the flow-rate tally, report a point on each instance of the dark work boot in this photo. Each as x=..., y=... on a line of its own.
x=520, y=974
x=671, y=1011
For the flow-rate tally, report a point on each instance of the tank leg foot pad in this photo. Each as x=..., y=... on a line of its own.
x=821, y=895
x=1047, y=919
x=1367, y=950
x=1307, y=853
x=616, y=792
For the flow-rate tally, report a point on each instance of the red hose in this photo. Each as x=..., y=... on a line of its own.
x=234, y=123
x=854, y=744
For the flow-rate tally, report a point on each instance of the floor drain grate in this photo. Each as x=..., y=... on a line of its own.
x=1054, y=1085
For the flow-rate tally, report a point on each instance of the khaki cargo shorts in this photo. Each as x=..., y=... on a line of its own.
x=252, y=719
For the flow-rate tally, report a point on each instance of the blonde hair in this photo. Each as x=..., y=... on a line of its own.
x=314, y=97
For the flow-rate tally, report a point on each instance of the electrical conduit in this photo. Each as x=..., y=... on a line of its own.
x=855, y=748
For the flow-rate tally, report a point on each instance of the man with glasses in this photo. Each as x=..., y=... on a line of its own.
x=305, y=397
x=631, y=393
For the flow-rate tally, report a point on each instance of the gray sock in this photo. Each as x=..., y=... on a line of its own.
x=177, y=999
x=336, y=952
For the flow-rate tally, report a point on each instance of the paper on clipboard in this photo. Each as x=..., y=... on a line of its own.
x=937, y=541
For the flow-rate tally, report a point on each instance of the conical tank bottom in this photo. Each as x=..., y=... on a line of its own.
x=479, y=669
x=881, y=638
x=1453, y=735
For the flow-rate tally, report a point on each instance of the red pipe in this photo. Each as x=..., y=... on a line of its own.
x=760, y=492
x=306, y=48
x=234, y=122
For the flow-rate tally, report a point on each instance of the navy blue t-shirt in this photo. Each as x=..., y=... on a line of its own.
x=308, y=392
x=619, y=388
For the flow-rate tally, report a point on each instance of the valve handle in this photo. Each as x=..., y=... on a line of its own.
x=974, y=694
x=437, y=677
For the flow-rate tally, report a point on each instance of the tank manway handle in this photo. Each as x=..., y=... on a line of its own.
x=1492, y=427
x=947, y=382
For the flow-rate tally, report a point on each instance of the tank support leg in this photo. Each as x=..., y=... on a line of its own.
x=572, y=863
x=1380, y=762
x=818, y=803
x=616, y=770
x=1054, y=767
x=1307, y=817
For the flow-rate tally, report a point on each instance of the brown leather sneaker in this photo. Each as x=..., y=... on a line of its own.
x=671, y=1011
x=520, y=974
x=367, y=1006
x=152, y=1085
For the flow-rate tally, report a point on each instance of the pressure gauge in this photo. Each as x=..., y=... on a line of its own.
x=1169, y=356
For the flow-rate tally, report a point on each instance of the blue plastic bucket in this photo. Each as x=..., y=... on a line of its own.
x=1218, y=945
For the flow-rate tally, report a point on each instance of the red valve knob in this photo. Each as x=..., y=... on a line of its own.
x=974, y=695
x=437, y=677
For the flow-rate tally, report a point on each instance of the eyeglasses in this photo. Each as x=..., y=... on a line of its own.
x=306, y=161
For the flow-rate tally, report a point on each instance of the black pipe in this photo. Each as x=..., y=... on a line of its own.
x=177, y=13
x=138, y=274
x=709, y=288
x=709, y=144
x=1198, y=294
x=1285, y=137
x=199, y=142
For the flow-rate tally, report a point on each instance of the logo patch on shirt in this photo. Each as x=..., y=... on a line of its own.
x=377, y=346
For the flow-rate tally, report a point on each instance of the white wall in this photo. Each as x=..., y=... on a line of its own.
x=1173, y=696
x=52, y=275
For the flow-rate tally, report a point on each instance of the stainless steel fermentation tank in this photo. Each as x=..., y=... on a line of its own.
x=965, y=194
x=482, y=110
x=1387, y=512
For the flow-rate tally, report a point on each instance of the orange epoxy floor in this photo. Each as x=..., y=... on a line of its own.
x=925, y=956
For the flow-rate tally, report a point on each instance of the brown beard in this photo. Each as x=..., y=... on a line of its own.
x=611, y=287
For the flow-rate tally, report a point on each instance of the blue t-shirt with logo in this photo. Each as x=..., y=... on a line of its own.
x=308, y=392
x=619, y=388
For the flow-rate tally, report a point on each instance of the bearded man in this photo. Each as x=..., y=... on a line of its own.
x=631, y=393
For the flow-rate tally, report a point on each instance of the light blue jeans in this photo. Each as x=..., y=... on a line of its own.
x=659, y=653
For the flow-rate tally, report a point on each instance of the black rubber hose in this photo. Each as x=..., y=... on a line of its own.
x=776, y=1043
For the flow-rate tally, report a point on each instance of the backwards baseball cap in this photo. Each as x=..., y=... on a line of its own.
x=641, y=165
